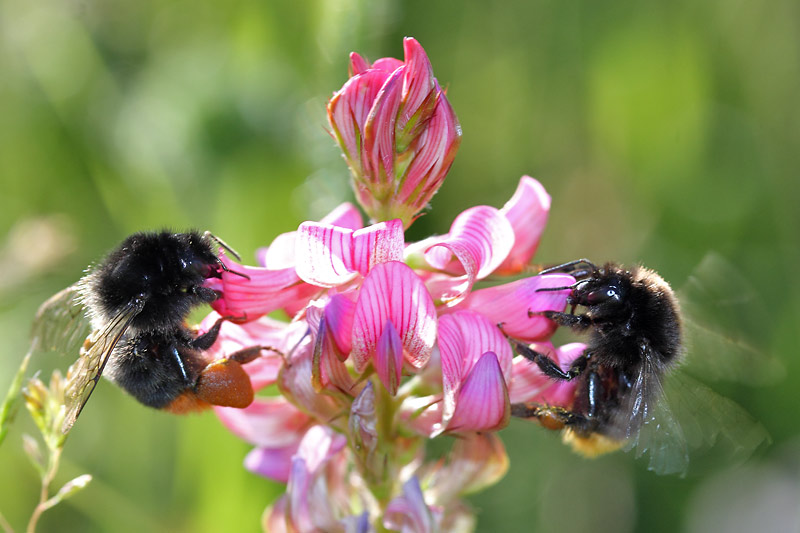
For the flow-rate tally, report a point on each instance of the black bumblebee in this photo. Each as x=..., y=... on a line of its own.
x=635, y=338
x=133, y=305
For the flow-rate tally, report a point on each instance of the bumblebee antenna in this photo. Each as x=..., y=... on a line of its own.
x=568, y=267
x=570, y=287
x=224, y=246
x=225, y=268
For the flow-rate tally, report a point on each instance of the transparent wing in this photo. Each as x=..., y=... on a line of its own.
x=84, y=374
x=723, y=314
x=648, y=424
x=682, y=416
x=60, y=324
x=713, y=423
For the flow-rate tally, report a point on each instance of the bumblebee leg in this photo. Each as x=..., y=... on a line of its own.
x=204, y=341
x=550, y=416
x=549, y=367
x=245, y=355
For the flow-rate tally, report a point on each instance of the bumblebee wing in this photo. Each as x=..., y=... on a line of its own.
x=84, y=374
x=648, y=424
x=60, y=324
x=713, y=423
x=723, y=319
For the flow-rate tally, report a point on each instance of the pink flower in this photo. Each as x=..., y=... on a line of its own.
x=397, y=132
x=391, y=343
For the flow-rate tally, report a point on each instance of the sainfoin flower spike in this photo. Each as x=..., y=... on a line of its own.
x=386, y=343
x=397, y=132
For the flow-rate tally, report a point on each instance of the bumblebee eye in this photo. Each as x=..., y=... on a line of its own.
x=604, y=294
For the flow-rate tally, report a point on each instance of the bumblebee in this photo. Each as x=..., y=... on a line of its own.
x=635, y=341
x=133, y=305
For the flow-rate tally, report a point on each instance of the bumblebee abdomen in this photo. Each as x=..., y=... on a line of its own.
x=155, y=369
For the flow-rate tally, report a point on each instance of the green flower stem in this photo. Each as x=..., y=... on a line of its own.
x=44, y=503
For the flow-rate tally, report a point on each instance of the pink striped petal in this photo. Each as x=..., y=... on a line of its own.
x=269, y=422
x=409, y=513
x=299, y=296
x=295, y=382
x=451, y=342
x=509, y=304
x=527, y=211
x=358, y=65
x=272, y=463
x=464, y=336
x=387, y=64
x=418, y=97
x=479, y=241
x=323, y=254
x=339, y=314
x=262, y=292
x=376, y=244
x=393, y=292
x=348, y=111
x=327, y=368
x=436, y=147
x=482, y=403
x=478, y=335
x=389, y=358
x=328, y=255
x=379, y=132
x=281, y=251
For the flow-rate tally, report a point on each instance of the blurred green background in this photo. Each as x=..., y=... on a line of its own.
x=662, y=131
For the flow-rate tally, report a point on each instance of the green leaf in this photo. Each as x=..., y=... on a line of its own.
x=8, y=410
